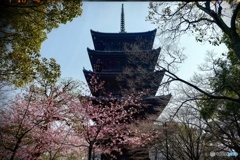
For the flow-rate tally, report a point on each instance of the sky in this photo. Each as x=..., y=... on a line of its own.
x=68, y=43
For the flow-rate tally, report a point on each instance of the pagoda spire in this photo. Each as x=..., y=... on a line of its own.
x=122, y=27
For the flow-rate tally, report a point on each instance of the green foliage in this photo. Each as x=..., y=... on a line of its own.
x=23, y=28
x=227, y=76
x=222, y=115
x=207, y=109
x=48, y=70
x=219, y=104
x=225, y=83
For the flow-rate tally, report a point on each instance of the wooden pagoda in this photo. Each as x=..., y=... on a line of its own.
x=109, y=58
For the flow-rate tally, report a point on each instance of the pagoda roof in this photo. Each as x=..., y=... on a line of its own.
x=87, y=73
x=152, y=105
x=126, y=34
x=101, y=74
x=107, y=61
x=114, y=85
x=116, y=41
x=106, y=53
x=161, y=100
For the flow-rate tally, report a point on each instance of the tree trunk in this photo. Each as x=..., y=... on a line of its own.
x=235, y=43
x=90, y=148
x=236, y=49
x=16, y=148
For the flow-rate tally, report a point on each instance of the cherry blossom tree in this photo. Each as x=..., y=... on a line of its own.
x=108, y=123
x=51, y=120
x=35, y=124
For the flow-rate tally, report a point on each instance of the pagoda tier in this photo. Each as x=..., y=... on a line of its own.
x=117, y=41
x=154, y=105
x=114, y=85
x=116, y=61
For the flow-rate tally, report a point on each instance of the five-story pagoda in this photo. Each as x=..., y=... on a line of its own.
x=110, y=59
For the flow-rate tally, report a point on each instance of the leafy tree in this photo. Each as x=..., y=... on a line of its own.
x=206, y=20
x=222, y=116
x=23, y=28
x=216, y=93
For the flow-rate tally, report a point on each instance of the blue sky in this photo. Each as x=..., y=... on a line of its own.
x=68, y=43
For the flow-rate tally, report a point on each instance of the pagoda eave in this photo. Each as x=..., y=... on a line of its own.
x=106, y=61
x=92, y=52
x=157, y=100
x=152, y=105
x=106, y=34
x=160, y=101
x=157, y=74
x=88, y=73
x=113, y=82
x=116, y=41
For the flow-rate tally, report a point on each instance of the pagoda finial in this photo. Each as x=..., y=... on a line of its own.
x=122, y=27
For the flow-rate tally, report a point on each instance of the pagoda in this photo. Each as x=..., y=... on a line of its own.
x=110, y=58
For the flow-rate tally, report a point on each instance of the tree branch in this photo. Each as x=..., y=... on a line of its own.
x=234, y=16
x=217, y=19
x=200, y=90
